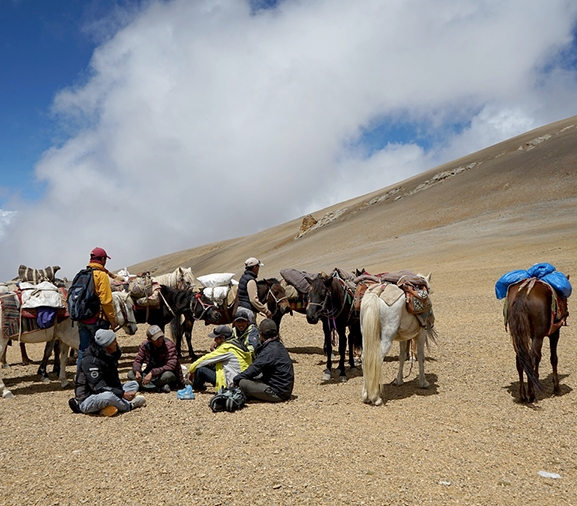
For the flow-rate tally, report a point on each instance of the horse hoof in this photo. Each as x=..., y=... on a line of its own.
x=5, y=366
x=425, y=385
x=327, y=376
x=7, y=394
x=45, y=379
x=378, y=402
x=65, y=384
x=342, y=379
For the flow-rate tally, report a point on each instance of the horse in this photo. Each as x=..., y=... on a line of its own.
x=270, y=292
x=530, y=318
x=331, y=300
x=381, y=324
x=66, y=333
x=181, y=278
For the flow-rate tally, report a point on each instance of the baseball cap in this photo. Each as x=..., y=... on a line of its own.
x=99, y=253
x=221, y=331
x=252, y=261
x=154, y=332
x=242, y=314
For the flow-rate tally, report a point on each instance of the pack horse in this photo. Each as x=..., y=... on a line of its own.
x=386, y=317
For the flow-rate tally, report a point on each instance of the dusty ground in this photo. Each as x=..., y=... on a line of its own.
x=465, y=440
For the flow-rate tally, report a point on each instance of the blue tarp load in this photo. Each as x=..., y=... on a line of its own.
x=543, y=271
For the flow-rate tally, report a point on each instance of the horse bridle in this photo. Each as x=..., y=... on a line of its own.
x=205, y=307
x=277, y=300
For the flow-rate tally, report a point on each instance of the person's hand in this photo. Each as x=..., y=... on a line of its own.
x=129, y=395
x=138, y=375
x=212, y=346
x=191, y=377
x=268, y=313
x=147, y=379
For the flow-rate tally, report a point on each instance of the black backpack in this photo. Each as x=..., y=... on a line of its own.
x=228, y=399
x=83, y=301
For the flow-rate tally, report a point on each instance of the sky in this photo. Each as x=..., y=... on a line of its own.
x=148, y=127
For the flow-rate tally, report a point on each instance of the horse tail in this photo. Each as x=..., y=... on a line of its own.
x=521, y=333
x=371, y=337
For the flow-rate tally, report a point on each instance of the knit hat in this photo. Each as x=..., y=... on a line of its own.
x=252, y=261
x=221, y=331
x=104, y=337
x=268, y=328
x=154, y=332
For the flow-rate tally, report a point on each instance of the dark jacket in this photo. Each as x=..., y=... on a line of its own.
x=276, y=366
x=158, y=360
x=98, y=372
x=243, y=298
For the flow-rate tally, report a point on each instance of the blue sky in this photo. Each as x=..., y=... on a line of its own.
x=108, y=106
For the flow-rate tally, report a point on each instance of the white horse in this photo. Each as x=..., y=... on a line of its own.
x=181, y=278
x=67, y=333
x=382, y=324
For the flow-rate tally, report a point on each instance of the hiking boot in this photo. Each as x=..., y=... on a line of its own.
x=73, y=403
x=165, y=389
x=109, y=411
x=138, y=401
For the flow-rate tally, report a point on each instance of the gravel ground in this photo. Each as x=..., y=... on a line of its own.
x=465, y=440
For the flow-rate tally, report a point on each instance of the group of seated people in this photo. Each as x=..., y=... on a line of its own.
x=250, y=358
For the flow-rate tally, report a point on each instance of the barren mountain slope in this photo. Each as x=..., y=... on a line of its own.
x=519, y=191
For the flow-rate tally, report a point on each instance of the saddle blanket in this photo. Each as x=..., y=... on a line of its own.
x=389, y=293
x=298, y=279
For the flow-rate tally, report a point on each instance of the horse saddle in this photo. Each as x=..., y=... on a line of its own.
x=388, y=292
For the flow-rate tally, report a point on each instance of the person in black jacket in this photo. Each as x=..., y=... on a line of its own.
x=271, y=376
x=97, y=386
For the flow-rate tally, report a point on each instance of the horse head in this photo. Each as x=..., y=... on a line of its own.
x=124, y=312
x=201, y=308
x=319, y=293
x=276, y=297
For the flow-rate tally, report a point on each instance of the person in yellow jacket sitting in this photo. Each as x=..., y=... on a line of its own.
x=229, y=358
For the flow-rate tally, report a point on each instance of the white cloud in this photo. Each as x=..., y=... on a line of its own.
x=202, y=122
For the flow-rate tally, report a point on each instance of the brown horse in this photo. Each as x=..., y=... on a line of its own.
x=533, y=311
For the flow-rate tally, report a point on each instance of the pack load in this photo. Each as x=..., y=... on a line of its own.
x=543, y=271
x=228, y=399
x=83, y=301
x=219, y=287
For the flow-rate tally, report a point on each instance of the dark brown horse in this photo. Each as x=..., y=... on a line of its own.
x=533, y=311
x=331, y=301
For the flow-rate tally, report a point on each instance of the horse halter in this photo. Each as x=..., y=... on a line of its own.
x=205, y=307
x=276, y=300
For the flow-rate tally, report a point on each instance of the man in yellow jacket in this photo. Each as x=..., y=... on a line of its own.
x=229, y=358
x=105, y=318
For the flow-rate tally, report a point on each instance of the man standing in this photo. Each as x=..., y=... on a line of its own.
x=105, y=318
x=97, y=386
x=273, y=367
x=248, y=289
x=162, y=369
x=229, y=357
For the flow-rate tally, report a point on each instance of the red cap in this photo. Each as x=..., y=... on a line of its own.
x=98, y=253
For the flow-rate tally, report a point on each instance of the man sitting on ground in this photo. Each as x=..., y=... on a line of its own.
x=97, y=387
x=162, y=371
x=229, y=357
x=273, y=367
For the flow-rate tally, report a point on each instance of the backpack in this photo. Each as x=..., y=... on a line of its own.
x=228, y=399
x=83, y=301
